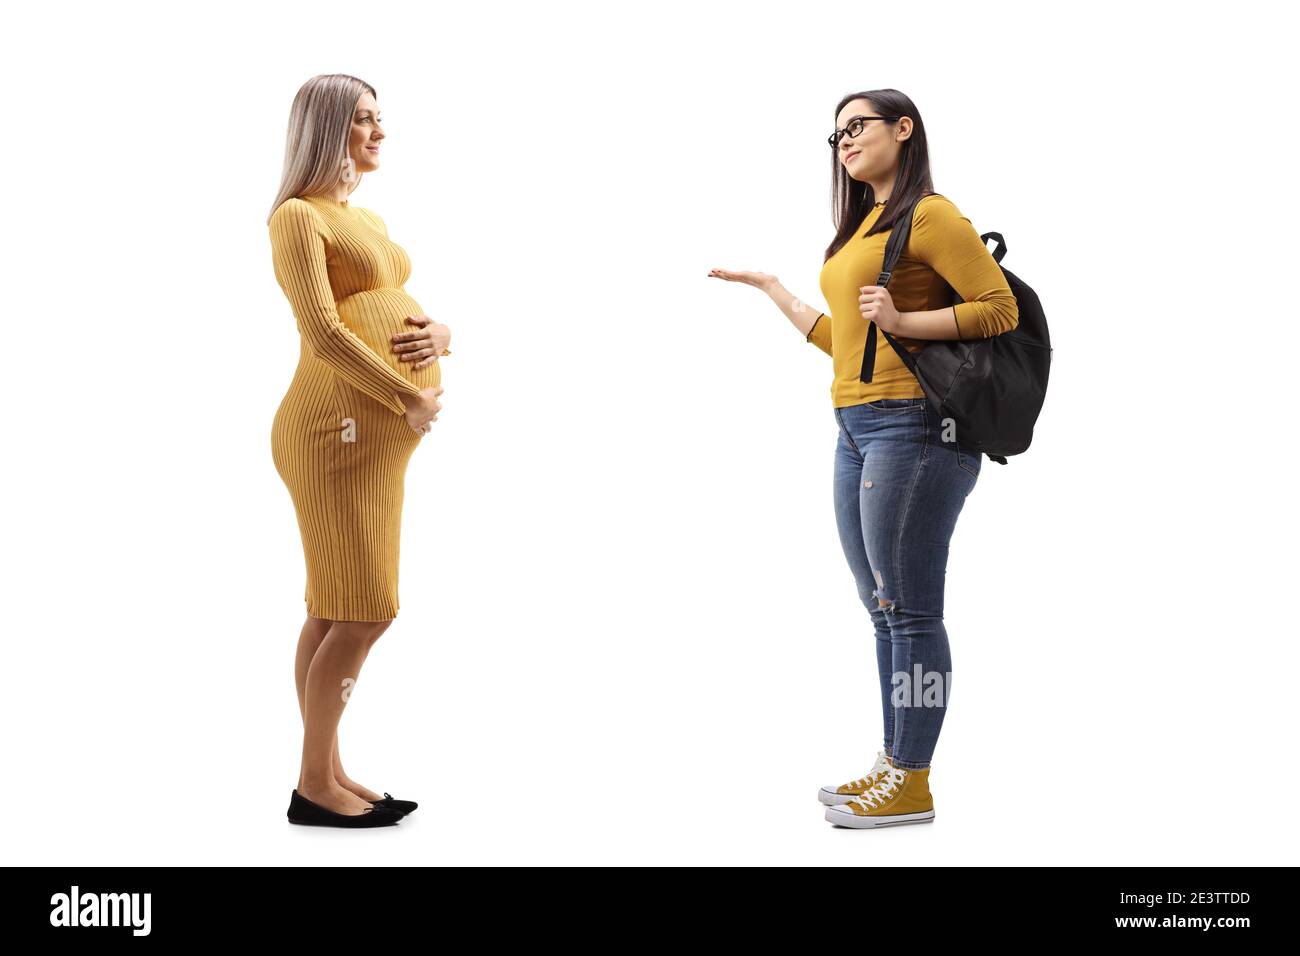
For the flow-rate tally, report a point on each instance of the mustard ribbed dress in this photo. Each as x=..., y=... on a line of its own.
x=340, y=440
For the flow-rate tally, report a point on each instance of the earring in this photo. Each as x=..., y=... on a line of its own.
x=349, y=171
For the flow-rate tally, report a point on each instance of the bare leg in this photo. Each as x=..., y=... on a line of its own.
x=313, y=632
x=346, y=782
x=331, y=672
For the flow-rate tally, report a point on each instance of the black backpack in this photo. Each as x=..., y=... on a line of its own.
x=992, y=388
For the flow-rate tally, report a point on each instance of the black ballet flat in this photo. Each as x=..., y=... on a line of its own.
x=401, y=806
x=302, y=810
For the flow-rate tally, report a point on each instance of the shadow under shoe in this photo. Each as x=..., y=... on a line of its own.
x=302, y=810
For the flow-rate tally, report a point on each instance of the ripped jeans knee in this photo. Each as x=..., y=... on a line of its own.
x=886, y=604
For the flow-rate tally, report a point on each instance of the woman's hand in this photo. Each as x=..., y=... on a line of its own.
x=800, y=314
x=878, y=306
x=759, y=280
x=425, y=345
x=422, y=412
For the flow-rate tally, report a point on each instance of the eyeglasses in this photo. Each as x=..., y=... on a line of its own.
x=854, y=127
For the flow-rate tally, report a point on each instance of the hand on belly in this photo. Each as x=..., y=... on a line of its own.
x=376, y=315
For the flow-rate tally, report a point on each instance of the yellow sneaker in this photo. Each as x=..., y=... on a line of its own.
x=833, y=796
x=899, y=796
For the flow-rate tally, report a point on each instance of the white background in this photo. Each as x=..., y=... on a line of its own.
x=628, y=634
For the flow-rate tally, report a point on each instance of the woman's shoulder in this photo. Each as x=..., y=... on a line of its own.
x=936, y=209
x=293, y=209
x=299, y=218
x=935, y=201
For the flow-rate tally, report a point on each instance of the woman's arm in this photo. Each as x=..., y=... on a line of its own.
x=947, y=242
x=298, y=255
x=935, y=324
x=820, y=334
x=815, y=327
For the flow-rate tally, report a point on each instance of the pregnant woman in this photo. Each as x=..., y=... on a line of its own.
x=365, y=392
x=900, y=477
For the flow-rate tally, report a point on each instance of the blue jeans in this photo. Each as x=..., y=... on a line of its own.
x=900, y=482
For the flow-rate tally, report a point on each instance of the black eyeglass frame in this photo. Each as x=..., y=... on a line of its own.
x=835, y=137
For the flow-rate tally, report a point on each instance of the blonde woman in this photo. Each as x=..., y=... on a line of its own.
x=365, y=392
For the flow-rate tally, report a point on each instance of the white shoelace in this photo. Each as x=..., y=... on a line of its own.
x=882, y=791
x=881, y=765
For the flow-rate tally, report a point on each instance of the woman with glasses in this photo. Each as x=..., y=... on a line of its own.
x=901, y=476
x=364, y=394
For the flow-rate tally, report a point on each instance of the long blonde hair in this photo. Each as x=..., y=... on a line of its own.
x=317, y=142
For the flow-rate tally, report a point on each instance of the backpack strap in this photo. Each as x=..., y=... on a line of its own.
x=893, y=250
x=1001, y=249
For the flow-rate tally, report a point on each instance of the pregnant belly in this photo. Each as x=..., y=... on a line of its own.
x=375, y=315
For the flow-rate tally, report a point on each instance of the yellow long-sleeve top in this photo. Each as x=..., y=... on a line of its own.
x=942, y=250
x=345, y=279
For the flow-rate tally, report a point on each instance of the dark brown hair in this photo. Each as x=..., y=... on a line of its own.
x=852, y=200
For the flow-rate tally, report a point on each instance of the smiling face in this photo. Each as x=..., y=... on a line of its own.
x=364, y=139
x=872, y=155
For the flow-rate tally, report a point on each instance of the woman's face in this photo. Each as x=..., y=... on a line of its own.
x=363, y=142
x=873, y=153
